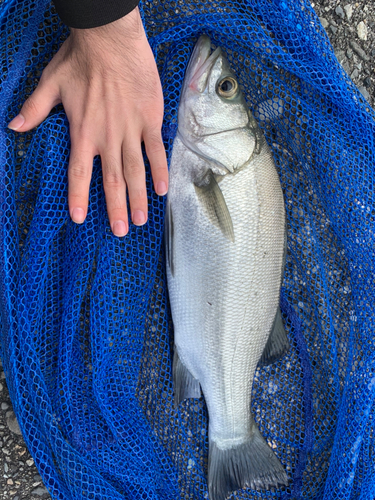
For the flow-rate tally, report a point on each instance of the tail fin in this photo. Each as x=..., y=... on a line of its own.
x=249, y=465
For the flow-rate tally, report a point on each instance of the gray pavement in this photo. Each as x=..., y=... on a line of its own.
x=350, y=27
x=351, y=30
x=19, y=478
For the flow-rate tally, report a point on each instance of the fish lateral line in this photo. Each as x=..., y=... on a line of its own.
x=198, y=287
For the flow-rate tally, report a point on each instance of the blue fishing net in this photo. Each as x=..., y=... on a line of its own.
x=86, y=334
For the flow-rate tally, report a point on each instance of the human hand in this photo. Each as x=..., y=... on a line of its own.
x=108, y=83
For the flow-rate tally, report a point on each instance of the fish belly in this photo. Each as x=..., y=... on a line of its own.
x=224, y=295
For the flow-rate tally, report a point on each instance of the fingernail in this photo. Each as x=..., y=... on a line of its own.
x=17, y=122
x=161, y=188
x=78, y=215
x=119, y=228
x=138, y=217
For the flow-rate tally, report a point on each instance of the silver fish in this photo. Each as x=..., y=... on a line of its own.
x=225, y=246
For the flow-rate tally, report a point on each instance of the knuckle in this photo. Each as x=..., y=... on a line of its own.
x=116, y=203
x=30, y=106
x=46, y=76
x=132, y=164
x=153, y=115
x=81, y=137
x=138, y=194
x=113, y=179
x=80, y=127
x=78, y=199
x=78, y=170
x=112, y=172
x=133, y=169
x=155, y=144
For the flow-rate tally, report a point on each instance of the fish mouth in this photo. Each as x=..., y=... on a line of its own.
x=201, y=61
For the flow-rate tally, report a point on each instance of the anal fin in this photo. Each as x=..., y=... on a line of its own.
x=185, y=385
x=277, y=344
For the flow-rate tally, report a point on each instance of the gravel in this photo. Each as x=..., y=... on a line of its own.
x=351, y=30
x=19, y=478
x=358, y=50
x=350, y=26
x=349, y=11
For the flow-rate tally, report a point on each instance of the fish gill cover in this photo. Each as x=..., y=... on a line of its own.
x=86, y=337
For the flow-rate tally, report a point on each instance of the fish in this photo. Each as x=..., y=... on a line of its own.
x=225, y=241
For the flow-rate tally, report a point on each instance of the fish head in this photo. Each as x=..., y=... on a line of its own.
x=213, y=118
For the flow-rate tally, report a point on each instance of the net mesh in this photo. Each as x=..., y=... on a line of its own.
x=86, y=334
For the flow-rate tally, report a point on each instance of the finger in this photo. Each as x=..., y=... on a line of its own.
x=36, y=108
x=79, y=177
x=135, y=177
x=115, y=192
x=158, y=160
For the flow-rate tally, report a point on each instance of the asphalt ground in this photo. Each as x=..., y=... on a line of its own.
x=351, y=30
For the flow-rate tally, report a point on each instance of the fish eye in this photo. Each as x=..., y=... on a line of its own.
x=227, y=87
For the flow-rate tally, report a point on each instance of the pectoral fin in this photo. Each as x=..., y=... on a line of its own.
x=168, y=237
x=212, y=199
x=277, y=344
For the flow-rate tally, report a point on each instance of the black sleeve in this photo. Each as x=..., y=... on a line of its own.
x=92, y=13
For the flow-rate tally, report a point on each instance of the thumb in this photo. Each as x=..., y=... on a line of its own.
x=36, y=108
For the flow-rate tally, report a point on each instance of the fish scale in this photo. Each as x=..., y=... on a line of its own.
x=227, y=287
x=225, y=251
